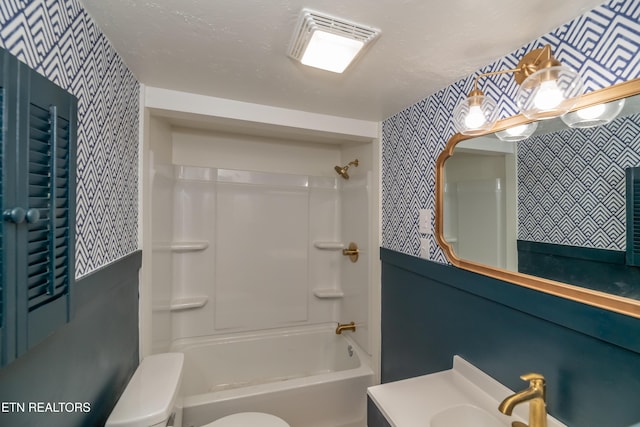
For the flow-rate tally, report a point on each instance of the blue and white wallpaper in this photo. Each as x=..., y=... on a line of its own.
x=603, y=45
x=571, y=184
x=59, y=39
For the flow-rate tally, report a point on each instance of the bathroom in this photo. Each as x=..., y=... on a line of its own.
x=414, y=315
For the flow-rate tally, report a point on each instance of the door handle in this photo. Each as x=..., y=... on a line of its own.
x=19, y=215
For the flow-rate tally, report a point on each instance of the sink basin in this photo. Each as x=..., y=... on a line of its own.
x=463, y=416
x=463, y=396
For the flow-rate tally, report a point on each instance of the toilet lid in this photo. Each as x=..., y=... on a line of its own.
x=249, y=419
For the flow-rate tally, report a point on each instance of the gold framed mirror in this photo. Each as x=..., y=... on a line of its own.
x=508, y=268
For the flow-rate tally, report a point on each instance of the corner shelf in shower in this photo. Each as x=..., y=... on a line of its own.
x=328, y=293
x=189, y=246
x=330, y=246
x=188, y=303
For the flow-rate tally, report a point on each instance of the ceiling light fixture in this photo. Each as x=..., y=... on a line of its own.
x=547, y=89
x=329, y=43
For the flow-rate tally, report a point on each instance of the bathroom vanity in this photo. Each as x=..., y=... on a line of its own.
x=458, y=397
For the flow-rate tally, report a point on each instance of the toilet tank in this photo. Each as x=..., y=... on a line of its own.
x=150, y=397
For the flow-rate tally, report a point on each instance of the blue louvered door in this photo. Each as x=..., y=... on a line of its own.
x=46, y=182
x=3, y=285
x=38, y=197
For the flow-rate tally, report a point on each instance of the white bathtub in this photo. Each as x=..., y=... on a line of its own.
x=310, y=377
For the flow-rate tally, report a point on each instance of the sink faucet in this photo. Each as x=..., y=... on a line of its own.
x=535, y=395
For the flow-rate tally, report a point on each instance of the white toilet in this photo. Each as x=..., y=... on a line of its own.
x=150, y=398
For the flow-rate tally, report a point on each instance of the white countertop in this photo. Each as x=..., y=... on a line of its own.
x=412, y=402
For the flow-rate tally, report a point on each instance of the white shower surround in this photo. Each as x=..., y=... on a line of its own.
x=298, y=151
x=253, y=263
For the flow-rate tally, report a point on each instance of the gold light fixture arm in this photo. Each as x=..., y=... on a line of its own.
x=476, y=91
x=533, y=61
x=529, y=64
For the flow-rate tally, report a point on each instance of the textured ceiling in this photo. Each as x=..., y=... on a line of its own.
x=237, y=49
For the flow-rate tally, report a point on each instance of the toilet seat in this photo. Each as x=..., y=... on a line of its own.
x=249, y=419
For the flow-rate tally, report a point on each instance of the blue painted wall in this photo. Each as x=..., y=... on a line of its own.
x=590, y=357
x=88, y=361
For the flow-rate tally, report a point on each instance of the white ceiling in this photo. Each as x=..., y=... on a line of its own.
x=237, y=49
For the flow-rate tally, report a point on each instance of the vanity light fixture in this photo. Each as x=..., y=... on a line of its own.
x=329, y=43
x=596, y=115
x=517, y=133
x=547, y=89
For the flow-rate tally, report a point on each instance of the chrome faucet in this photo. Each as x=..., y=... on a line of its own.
x=535, y=395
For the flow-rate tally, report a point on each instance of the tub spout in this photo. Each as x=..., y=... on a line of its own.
x=346, y=327
x=535, y=395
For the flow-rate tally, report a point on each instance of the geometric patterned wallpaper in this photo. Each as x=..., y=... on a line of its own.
x=59, y=39
x=603, y=45
x=571, y=184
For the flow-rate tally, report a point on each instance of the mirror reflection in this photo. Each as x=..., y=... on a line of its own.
x=549, y=200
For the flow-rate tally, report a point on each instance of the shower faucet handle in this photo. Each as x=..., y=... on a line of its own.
x=352, y=252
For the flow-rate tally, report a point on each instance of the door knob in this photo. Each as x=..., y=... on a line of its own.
x=19, y=215
x=33, y=215
x=15, y=215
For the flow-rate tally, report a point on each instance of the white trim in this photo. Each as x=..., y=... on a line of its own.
x=172, y=102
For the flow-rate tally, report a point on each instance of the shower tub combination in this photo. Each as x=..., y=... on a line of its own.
x=309, y=376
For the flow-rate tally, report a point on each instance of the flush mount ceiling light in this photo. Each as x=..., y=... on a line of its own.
x=329, y=43
x=596, y=115
x=547, y=89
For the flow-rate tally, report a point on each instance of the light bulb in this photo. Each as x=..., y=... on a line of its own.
x=596, y=115
x=330, y=52
x=517, y=133
x=475, y=115
x=475, y=118
x=516, y=130
x=590, y=113
x=549, y=96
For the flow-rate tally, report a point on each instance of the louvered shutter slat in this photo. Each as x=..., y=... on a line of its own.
x=633, y=215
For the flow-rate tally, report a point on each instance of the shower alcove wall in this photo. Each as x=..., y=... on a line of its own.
x=244, y=218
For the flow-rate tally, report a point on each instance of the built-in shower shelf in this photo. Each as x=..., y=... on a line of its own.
x=189, y=246
x=328, y=293
x=188, y=303
x=330, y=246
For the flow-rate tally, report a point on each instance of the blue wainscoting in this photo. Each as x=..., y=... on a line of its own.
x=590, y=356
x=599, y=269
x=87, y=361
